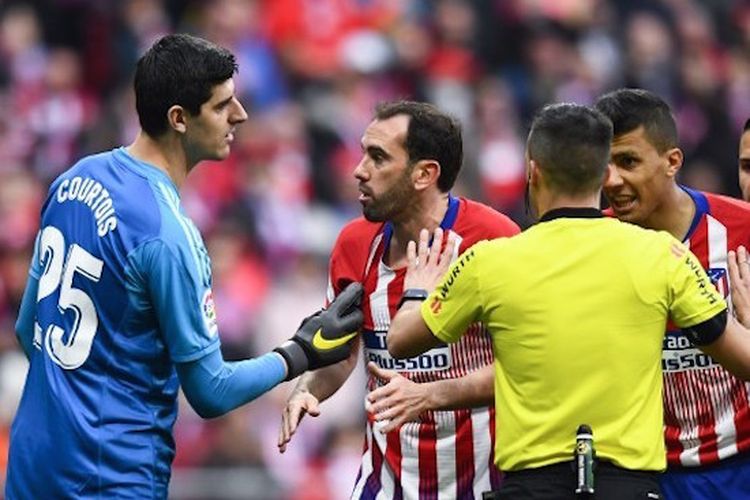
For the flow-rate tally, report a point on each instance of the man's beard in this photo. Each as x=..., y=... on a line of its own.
x=392, y=202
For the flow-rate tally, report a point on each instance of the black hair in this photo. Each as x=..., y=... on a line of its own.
x=432, y=135
x=629, y=109
x=570, y=143
x=747, y=126
x=178, y=70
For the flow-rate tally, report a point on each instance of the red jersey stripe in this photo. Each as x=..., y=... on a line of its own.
x=414, y=457
x=706, y=412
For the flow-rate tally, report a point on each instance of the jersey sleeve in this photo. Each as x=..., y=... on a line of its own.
x=456, y=301
x=348, y=257
x=214, y=387
x=35, y=268
x=338, y=276
x=694, y=299
x=182, y=302
x=27, y=310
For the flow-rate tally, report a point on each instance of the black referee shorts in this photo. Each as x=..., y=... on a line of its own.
x=557, y=482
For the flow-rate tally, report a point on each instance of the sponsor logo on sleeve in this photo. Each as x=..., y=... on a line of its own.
x=436, y=306
x=454, y=273
x=706, y=288
x=209, y=313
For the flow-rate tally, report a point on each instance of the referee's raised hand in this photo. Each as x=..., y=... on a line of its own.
x=427, y=263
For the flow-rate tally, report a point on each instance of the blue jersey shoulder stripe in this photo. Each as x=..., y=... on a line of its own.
x=173, y=203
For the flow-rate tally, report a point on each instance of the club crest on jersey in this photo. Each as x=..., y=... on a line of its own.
x=209, y=313
x=718, y=277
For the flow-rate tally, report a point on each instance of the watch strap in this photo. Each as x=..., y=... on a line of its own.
x=419, y=294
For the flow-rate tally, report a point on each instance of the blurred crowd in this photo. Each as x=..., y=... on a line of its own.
x=310, y=74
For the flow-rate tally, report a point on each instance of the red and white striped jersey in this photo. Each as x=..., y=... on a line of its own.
x=447, y=454
x=706, y=411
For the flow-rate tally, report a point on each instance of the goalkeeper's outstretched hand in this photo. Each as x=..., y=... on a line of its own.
x=325, y=337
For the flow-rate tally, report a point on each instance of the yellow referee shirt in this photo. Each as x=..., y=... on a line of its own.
x=577, y=307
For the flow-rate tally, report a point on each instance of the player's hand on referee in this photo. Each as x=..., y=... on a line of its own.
x=739, y=279
x=426, y=264
x=300, y=403
x=398, y=401
x=325, y=337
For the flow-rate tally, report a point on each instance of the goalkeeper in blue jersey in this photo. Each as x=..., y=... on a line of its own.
x=118, y=310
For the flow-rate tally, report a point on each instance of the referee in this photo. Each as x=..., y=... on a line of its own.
x=576, y=306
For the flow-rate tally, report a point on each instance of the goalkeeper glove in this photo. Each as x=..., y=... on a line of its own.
x=324, y=338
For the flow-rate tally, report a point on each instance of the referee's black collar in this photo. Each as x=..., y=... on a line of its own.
x=572, y=212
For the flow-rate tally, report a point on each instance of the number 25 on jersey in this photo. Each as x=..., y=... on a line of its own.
x=59, y=270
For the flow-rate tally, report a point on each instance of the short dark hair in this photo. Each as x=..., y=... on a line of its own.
x=747, y=126
x=629, y=109
x=570, y=143
x=178, y=69
x=432, y=135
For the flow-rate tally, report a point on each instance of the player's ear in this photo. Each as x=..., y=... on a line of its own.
x=176, y=118
x=425, y=173
x=674, y=161
x=535, y=173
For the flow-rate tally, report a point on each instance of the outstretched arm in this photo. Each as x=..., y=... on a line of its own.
x=402, y=400
x=312, y=389
x=732, y=349
x=719, y=334
x=214, y=387
x=408, y=334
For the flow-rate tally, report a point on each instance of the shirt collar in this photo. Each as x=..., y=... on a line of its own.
x=449, y=219
x=701, y=208
x=572, y=212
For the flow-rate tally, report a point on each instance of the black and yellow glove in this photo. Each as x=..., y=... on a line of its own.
x=324, y=338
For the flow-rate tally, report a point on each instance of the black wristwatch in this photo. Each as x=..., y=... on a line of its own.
x=413, y=294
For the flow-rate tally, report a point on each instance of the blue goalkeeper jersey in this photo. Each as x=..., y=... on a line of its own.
x=123, y=293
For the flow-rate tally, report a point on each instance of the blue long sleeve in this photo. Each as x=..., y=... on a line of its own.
x=214, y=387
x=27, y=311
x=26, y=316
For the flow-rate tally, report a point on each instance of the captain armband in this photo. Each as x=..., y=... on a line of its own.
x=708, y=331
